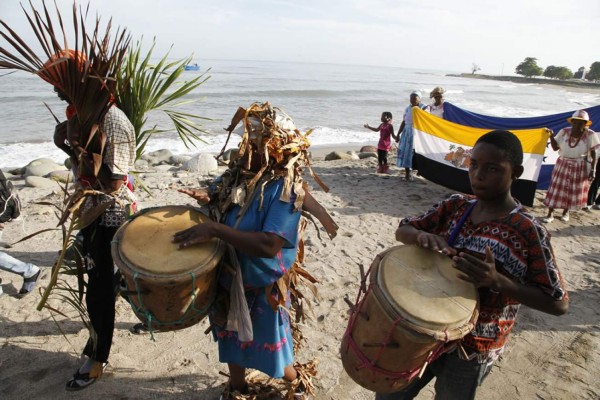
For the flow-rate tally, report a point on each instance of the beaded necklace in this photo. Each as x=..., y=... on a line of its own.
x=576, y=142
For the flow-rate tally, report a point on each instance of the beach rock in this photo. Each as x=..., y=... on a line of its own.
x=179, y=159
x=203, y=164
x=229, y=154
x=368, y=149
x=338, y=155
x=363, y=155
x=141, y=165
x=9, y=175
x=61, y=176
x=158, y=156
x=218, y=172
x=16, y=171
x=165, y=168
x=39, y=182
x=42, y=167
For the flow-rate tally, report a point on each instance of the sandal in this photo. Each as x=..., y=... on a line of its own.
x=29, y=283
x=81, y=381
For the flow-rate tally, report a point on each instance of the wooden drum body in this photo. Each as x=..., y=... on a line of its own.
x=412, y=310
x=168, y=288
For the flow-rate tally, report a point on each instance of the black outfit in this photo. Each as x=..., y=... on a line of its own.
x=101, y=289
x=382, y=157
x=593, y=197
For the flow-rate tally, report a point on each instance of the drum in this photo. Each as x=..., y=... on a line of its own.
x=412, y=310
x=167, y=288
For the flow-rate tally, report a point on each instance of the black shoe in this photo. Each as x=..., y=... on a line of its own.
x=139, y=329
x=29, y=283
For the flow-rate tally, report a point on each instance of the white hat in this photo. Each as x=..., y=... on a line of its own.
x=580, y=115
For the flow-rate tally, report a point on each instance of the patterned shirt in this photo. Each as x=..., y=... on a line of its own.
x=119, y=153
x=119, y=156
x=522, y=251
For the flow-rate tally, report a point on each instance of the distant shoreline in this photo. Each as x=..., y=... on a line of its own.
x=522, y=79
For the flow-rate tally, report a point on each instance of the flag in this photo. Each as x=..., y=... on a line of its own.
x=443, y=151
x=554, y=121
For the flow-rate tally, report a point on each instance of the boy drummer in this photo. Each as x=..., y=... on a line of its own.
x=499, y=247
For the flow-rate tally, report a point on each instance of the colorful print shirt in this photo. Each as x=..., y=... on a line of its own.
x=522, y=250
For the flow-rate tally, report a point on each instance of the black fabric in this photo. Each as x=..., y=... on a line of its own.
x=458, y=179
x=593, y=197
x=382, y=157
x=10, y=205
x=102, y=287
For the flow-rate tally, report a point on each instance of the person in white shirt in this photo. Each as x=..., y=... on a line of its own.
x=437, y=107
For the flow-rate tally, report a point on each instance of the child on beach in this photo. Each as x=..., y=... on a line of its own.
x=405, y=136
x=498, y=246
x=386, y=131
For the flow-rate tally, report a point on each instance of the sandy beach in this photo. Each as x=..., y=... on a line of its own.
x=547, y=357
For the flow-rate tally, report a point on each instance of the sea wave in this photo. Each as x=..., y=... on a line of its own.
x=19, y=154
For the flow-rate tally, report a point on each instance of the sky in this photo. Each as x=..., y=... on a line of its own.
x=447, y=35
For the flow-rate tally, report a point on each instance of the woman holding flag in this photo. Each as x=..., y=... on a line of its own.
x=571, y=176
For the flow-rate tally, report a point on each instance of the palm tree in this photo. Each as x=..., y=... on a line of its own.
x=143, y=87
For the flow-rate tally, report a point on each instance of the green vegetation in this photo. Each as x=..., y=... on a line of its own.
x=558, y=72
x=594, y=72
x=529, y=68
x=143, y=87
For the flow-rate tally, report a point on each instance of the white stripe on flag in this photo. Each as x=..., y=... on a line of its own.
x=458, y=155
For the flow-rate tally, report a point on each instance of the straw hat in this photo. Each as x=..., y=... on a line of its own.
x=580, y=115
x=438, y=90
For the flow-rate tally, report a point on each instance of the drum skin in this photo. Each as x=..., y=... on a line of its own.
x=414, y=307
x=168, y=288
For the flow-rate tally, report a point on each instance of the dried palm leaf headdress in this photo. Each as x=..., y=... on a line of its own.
x=84, y=72
x=269, y=135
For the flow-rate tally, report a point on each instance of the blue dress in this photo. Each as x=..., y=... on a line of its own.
x=405, y=147
x=272, y=348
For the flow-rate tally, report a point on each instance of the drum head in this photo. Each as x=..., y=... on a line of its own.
x=147, y=242
x=422, y=286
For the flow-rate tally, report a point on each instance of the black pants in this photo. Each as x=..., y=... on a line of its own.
x=382, y=157
x=593, y=197
x=101, y=289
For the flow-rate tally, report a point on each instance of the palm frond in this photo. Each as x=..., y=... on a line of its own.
x=85, y=71
x=143, y=86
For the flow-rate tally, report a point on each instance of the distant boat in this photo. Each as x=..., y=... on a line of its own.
x=192, y=67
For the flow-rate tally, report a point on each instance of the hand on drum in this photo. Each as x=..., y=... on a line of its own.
x=481, y=273
x=200, y=195
x=434, y=242
x=200, y=233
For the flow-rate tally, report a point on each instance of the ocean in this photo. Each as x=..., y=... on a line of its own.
x=333, y=100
